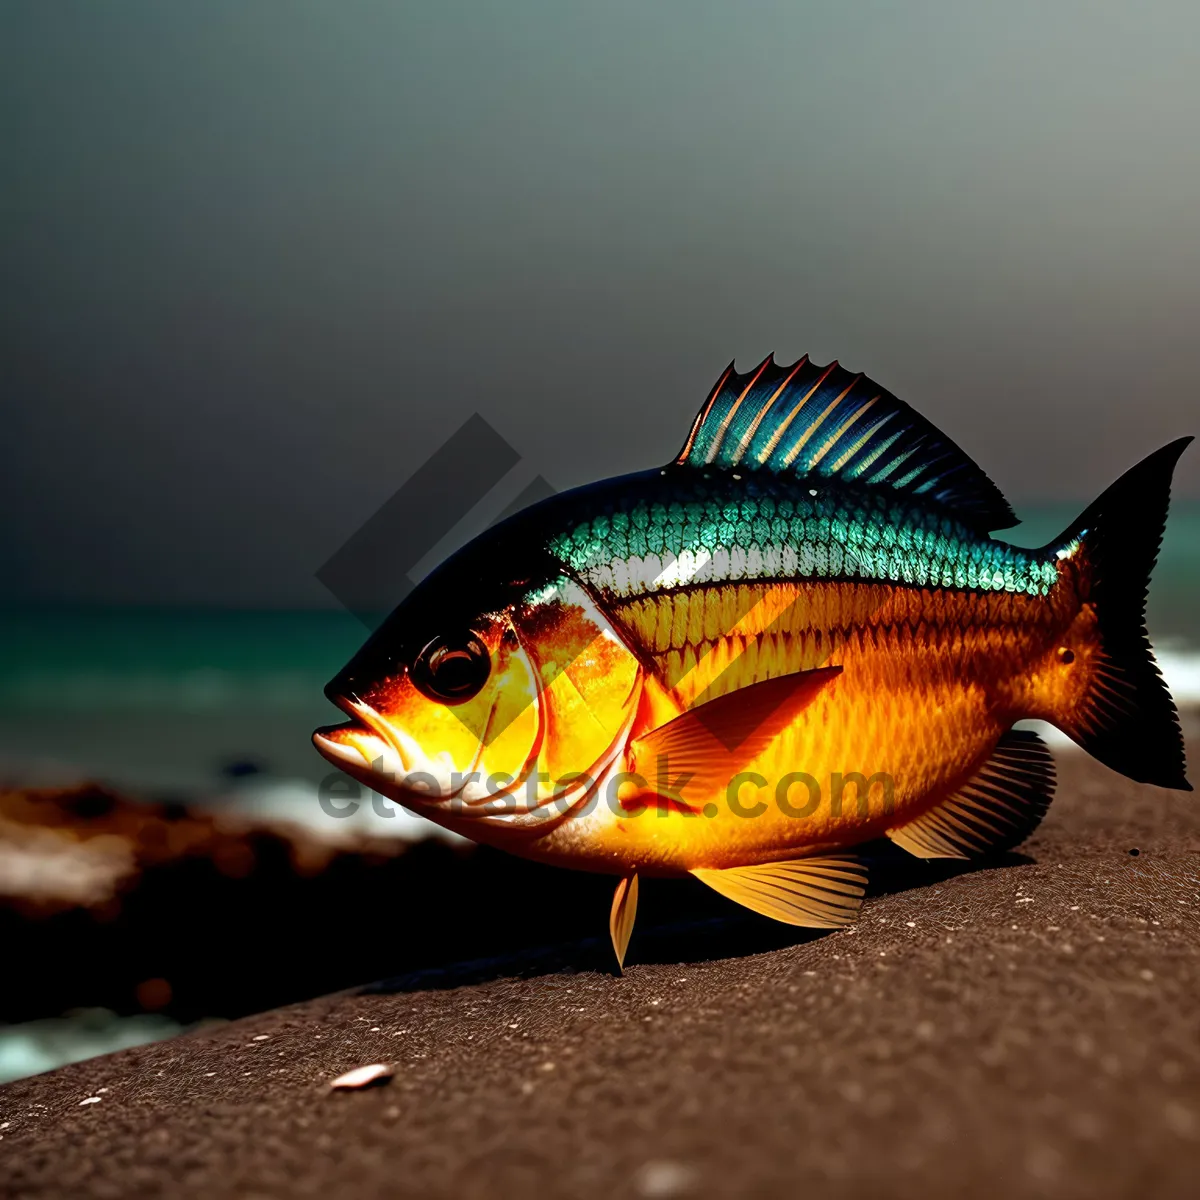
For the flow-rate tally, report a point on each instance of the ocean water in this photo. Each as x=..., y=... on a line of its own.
x=221, y=703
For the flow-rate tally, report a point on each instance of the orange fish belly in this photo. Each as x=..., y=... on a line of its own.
x=926, y=690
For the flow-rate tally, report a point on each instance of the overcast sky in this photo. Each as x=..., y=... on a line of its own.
x=261, y=259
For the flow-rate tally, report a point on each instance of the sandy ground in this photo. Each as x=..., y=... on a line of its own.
x=1029, y=1028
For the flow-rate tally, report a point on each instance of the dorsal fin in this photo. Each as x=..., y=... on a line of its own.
x=823, y=422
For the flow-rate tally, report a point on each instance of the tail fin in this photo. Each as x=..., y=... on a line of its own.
x=1127, y=718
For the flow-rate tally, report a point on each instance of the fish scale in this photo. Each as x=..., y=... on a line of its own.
x=847, y=534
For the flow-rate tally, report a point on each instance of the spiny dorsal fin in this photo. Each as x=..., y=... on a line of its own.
x=995, y=810
x=822, y=422
x=820, y=893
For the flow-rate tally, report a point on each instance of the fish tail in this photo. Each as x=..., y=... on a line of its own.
x=1123, y=713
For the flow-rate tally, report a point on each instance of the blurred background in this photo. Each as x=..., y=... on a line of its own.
x=263, y=261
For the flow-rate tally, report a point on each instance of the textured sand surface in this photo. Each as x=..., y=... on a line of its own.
x=1029, y=1028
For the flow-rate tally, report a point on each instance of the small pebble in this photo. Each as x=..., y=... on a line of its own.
x=362, y=1077
x=664, y=1178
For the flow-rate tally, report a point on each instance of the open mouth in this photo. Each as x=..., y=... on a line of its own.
x=353, y=748
x=387, y=759
x=364, y=745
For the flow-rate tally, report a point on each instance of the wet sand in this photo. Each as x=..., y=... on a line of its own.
x=1028, y=1028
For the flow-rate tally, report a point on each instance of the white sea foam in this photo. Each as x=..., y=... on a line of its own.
x=298, y=802
x=1180, y=668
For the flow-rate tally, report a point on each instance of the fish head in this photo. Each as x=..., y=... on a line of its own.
x=484, y=702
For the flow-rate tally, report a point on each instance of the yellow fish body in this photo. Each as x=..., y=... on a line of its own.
x=795, y=638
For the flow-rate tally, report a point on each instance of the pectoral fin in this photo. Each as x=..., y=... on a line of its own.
x=710, y=743
x=995, y=810
x=622, y=916
x=822, y=893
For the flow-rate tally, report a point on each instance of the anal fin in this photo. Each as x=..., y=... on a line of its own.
x=995, y=810
x=622, y=916
x=821, y=893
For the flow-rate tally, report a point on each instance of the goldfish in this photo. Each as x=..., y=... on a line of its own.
x=797, y=637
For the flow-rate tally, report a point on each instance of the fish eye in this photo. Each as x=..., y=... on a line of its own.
x=452, y=669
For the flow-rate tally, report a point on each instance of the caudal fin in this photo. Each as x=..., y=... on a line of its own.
x=1126, y=717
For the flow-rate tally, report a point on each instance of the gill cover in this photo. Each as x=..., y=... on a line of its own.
x=588, y=683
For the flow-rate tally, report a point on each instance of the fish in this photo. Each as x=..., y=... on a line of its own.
x=798, y=637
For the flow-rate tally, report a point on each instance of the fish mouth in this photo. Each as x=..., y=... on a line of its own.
x=358, y=751
x=372, y=750
x=366, y=746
